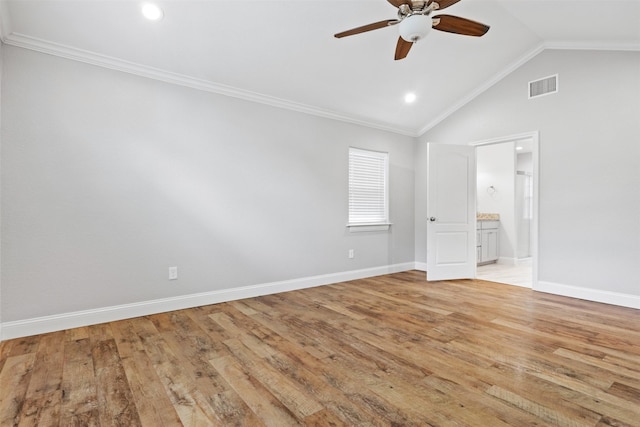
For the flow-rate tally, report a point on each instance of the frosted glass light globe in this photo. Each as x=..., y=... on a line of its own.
x=415, y=27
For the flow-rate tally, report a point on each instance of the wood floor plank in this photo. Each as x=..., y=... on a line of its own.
x=266, y=406
x=622, y=373
x=215, y=332
x=88, y=418
x=626, y=411
x=190, y=404
x=25, y=345
x=389, y=350
x=113, y=392
x=114, y=397
x=290, y=329
x=14, y=380
x=324, y=418
x=624, y=391
x=79, y=394
x=77, y=334
x=548, y=415
x=324, y=378
x=126, y=338
x=195, y=349
x=296, y=399
x=368, y=410
x=148, y=393
x=44, y=395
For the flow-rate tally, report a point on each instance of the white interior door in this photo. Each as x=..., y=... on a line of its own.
x=451, y=222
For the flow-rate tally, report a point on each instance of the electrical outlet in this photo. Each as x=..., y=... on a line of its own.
x=173, y=273
x=351, y=253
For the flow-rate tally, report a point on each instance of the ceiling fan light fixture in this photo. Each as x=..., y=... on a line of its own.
x=415, y=27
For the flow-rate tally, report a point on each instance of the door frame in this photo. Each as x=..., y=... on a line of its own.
x=535, y=138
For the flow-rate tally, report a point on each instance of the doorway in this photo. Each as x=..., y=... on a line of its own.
x=507, y=188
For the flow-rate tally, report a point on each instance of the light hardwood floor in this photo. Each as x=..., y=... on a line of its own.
x=391, y=350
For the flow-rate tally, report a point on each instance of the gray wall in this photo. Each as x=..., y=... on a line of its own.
x=589, y=202
x=109, y=178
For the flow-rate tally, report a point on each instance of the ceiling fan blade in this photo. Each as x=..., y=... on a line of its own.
x=457, y=25
x=398, y=3
x=443, y=4
x=368, y=27
x=402, y=48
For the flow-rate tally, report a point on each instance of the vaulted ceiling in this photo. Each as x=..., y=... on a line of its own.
x=283, y=53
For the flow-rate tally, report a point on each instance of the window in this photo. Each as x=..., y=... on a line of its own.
x=368, y=189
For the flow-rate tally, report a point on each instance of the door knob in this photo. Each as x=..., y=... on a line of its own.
x=433, y=218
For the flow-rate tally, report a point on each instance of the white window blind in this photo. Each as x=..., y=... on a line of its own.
x=368, y=187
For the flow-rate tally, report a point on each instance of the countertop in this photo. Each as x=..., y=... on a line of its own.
x=488, y=217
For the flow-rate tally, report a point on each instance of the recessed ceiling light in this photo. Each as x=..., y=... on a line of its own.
x=519, y=147
x=410, y=97
x=152, y=11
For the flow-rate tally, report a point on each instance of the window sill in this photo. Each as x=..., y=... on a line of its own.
x=359, y=228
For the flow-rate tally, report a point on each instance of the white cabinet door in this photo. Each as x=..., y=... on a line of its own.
x=489, y=245
x=451, y=225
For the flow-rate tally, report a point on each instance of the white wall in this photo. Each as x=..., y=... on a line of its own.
x=420, y=195
x=524, y=162
x=109, y=178
x=1, y=73
x=495, y=164
x=523, y=211
x=589, y=203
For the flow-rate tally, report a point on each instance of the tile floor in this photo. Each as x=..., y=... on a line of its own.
x=518, y=275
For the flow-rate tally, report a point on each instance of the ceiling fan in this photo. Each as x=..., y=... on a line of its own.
x=414, y=17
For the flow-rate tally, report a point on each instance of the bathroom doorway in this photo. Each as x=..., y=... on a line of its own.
x=507, y=179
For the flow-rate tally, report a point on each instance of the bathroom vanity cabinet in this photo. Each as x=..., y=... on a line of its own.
x=487, y=241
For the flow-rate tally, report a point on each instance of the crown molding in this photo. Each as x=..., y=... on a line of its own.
x=482, y=88
x=5, y=25
x=92, y=58
x=558, y=45
x=593, y=45
x=68, y=52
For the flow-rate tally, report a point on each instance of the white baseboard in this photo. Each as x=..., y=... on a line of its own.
x=58, y=322
x=596, y=295
x=507, y=260
x=421, y=266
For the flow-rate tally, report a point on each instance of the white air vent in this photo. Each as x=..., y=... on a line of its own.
x=543, y=86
